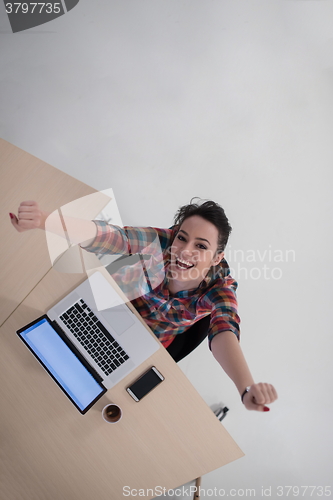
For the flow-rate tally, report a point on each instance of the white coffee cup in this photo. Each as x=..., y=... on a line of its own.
x=112, y=413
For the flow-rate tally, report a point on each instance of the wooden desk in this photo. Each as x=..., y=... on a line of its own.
x=51, y=452
x=25, y=177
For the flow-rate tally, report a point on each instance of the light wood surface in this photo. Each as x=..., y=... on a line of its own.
x=25, y=177
x=49, y=451
x=167, y=439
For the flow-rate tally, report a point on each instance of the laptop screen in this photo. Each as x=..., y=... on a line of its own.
x=62, y=364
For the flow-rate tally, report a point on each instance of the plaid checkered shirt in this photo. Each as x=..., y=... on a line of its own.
x=145, y=283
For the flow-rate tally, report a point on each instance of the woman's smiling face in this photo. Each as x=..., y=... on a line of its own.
x=193, y=252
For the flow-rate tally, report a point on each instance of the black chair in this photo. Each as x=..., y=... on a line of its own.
x=186, y=342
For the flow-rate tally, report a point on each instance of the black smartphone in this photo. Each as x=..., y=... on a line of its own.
x=145, y=383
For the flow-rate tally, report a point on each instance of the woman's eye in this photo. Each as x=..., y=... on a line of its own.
x=181, y=238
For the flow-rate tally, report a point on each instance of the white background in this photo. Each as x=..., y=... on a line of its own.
x=164, y=100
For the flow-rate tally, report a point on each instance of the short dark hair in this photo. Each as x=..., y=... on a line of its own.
x=210, y=211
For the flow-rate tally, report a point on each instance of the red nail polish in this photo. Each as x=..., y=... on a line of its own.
x=266, y=408
x=11, y=215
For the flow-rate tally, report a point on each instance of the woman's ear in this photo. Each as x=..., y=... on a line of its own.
x=218, y=258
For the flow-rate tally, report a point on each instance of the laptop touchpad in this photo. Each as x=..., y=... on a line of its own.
x=118, y=318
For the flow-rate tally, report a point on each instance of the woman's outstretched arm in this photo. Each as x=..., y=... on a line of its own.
x=30, y=216
x=227, y=352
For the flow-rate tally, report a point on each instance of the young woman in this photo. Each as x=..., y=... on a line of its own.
x=193, y=280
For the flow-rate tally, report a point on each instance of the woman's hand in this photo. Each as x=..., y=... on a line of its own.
x=29, y=216
x=258, y=396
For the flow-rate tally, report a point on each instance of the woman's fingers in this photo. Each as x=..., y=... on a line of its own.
x=29, y=203
x=26, y=209
x=28, y=216
x=259, y=395
x=263, y=393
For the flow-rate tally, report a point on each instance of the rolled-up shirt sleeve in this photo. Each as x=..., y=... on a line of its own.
x=224, y=315
x=112, y=239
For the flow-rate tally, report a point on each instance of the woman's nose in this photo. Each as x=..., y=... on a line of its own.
x=186, y=252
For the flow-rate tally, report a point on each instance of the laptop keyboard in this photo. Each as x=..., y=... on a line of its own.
x=94, y=337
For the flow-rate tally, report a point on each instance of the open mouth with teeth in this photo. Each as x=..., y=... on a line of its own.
x=183, y=264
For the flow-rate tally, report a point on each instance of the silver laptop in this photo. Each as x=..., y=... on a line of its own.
x=104, y=329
